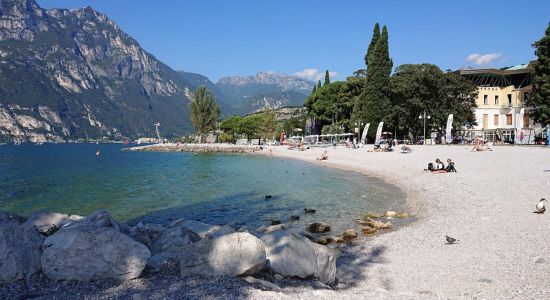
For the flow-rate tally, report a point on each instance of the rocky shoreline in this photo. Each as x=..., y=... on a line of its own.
x=197, y=148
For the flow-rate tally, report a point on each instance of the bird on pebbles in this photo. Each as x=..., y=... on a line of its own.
x=540, y=209
x=450, y=240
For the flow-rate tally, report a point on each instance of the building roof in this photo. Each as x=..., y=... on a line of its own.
x=517, y=69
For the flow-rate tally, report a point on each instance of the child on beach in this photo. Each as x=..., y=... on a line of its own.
x=324, y=156
x=450, y=166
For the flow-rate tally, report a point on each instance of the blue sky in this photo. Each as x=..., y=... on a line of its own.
x=220, y=38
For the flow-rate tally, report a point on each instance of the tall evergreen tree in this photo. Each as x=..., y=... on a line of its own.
x=373, y=41
x=314, y=89
x=376, y=97
x=319, y=84
x=205, y=113
x=540, y=99
x=327, y=78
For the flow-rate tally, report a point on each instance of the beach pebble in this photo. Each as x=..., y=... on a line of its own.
x=402, y=215
x=377, y=224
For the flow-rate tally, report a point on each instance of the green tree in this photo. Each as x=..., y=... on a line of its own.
x=424, y=87
x=327, y=78
x=314, y=89
x=373, y=41
x=231, y=126
x=205, y=113
x=319, y=84
x=375, y=102
x=540, y=98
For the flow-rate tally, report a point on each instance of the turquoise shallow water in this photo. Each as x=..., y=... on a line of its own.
x=158, y=187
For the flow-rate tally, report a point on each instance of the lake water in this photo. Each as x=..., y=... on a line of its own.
x=159, y=187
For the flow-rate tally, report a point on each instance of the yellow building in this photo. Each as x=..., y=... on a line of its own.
x=501, y=97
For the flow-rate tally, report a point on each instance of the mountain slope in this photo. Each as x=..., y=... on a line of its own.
x=265, y=90
x=75, y=73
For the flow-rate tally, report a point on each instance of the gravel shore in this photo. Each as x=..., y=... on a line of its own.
x=488, y=206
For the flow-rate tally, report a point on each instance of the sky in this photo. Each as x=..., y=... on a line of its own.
x=304, y=38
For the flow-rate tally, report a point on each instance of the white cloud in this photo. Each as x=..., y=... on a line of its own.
x=314, y=74
x=483, y=60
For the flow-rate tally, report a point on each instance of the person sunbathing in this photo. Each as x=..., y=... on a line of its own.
x=406, y=149
x=323, y=156
x=450, y=166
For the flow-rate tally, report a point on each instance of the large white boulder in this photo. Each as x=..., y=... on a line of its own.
x=47, y=222
x=238, y=253
x=19, y=251
x=93, y=248
x=289, y=254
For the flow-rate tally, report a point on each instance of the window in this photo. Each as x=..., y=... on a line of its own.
x=526, y=121
x=496, y=120
x=509, y=119
x=485, y=121
x=509, y=99
x=496, y=99
x=485, y=99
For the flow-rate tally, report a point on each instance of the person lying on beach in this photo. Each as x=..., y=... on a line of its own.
x=324, y=156
x=406, y=149
x=450, y=166
x=439, y=167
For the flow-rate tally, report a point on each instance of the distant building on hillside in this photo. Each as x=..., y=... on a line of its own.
x=501, y=96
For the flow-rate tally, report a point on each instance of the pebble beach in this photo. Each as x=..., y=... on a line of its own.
x=488, y=205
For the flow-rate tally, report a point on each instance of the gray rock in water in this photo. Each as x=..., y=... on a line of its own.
x=93, y=248
x=318, y=227
x=238, y=253
x=292, y=255
x=271, y=228
x=47, y=222
x=19, y=252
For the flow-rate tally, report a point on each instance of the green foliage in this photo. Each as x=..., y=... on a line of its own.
x=374, y=104
x=333, y=103
x=373, y=41
x=231, y=126
x=319, y=84
x=424, y=87
x=205, y=113
x=314, y=89
x=540, y=98
x=327, y=78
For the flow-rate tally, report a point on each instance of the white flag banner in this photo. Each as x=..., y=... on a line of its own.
x=519, y=125
x=448, y=137
x=364, y=135
x=378, y=134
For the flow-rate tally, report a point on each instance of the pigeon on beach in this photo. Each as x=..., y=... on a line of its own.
x=450, y=240
x=540, y=207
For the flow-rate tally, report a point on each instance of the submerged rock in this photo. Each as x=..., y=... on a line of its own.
x=19, y=251
x=377, y=224
x=349, y=234
x=93, y=248
x=6, y=217
x=294, y=218
x=238, y=253
x=374, y=215
x=292, y=255
x=275, y=222
x=402, y=215
x=369, y=230
x=390, y=213
x=269, y=229
x=318, y=227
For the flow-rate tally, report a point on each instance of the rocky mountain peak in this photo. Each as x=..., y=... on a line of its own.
x=284, y=81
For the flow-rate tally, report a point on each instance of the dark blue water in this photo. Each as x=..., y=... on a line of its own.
x=214, y=188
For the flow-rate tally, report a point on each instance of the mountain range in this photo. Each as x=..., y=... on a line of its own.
x=67, y=74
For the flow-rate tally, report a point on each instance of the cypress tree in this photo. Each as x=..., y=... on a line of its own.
x=377, y=106
x=319, y=84
x=327, y=78
x=540, y=99
x=314, y=89
x=373, y=41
